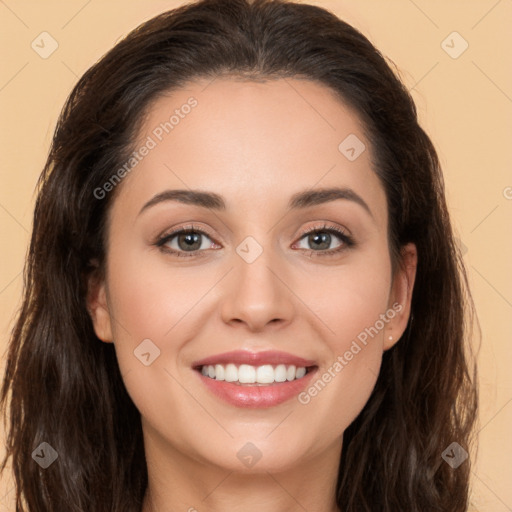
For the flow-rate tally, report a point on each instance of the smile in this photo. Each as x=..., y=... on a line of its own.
x=256, y=375
x=255, y=379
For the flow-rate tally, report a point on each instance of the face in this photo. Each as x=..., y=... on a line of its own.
x=272, y=270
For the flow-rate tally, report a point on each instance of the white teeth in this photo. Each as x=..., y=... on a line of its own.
x=280, y=373
x=219, y=372
x=247, y=374
x=265, y=374
x=231, y=373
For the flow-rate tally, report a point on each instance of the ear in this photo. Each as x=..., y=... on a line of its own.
x=97, y=305
x=401, y=294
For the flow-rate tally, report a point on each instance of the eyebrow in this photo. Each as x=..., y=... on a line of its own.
x=300, y=200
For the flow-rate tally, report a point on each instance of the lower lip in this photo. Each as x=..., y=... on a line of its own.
x=257, y=396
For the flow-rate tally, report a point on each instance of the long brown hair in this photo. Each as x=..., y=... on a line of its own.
x=63, y=386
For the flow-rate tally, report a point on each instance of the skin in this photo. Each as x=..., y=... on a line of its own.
x=256, y=144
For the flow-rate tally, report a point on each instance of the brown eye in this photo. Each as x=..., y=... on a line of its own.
x=185, y=240
x=318, y=241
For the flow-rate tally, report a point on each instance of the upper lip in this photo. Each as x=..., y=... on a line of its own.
x=273, y=357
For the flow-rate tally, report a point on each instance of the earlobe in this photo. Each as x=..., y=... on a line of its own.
x=97, y=306
x=401, y=294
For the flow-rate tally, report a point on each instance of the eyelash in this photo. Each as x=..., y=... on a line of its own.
x=348, y=241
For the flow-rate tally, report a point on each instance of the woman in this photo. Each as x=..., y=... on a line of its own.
x=263, y=372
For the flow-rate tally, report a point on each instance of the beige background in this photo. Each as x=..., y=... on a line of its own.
x=464, y=103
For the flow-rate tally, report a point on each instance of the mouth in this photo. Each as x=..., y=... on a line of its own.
x=255, y=380
x=249, y=375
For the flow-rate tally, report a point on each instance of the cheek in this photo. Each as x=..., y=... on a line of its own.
x=151, y=305
x=150, y=298
x=341, y=389
x=350, y=299
x=353, y=308
x=156, y=310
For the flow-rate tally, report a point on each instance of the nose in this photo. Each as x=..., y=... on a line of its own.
x=257, y=294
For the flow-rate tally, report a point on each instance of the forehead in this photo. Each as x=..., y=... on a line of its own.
x=254, y=142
